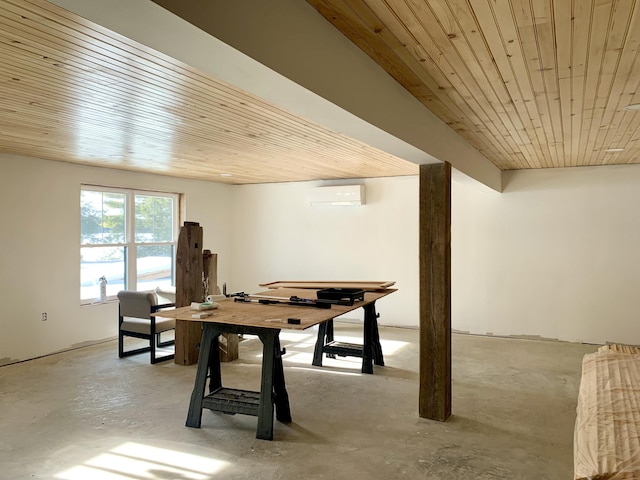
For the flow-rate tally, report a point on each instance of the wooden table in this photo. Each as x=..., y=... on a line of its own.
x=265, y=321
x=367, y=286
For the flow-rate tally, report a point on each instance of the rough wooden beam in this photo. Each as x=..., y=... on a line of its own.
x=435, y=291
x=210, y=268
x=188, y=289
x=228, y=341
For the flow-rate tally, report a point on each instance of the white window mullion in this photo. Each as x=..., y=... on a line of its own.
x=132, y=254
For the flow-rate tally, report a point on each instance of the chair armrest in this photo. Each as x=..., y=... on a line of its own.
x=156, y=308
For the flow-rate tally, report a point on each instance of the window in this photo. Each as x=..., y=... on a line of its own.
x=128, y=237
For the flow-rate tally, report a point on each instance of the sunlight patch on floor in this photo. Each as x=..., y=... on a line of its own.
x=133, y=460
x=390, y=347
x=299, y=349
x=328, y=371
x=293, y=336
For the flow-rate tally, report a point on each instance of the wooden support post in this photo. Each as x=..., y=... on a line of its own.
x=210, y=269
x=229, y=347
x=228, y=341
x=188, y=289
x=435, y=291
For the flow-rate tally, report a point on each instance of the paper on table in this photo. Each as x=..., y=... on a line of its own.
x=203, y=306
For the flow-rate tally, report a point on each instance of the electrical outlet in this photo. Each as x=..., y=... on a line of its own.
x=44, y=316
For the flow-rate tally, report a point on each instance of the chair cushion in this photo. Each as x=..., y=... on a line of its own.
x=143, y=325
x=165, y=295
x=136, y=304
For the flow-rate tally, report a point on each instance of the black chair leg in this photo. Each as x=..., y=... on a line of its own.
x=120, y=338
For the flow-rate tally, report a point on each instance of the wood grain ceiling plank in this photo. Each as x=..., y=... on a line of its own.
x=141, y=166
x=562, y=16
x=140, y=55
x=106, y=67
x=318, y=154
x=599, y=27
x=472, y=32
x=624, y=81
x=520, y=32
x=435, y=63
x=628, y=135
x=502, y=41
x=543, y=24
x=356, y=21
x=564, y=70
x=530, y=83
x=62, y=28
x=336, y=10
x=473, y=50
x=128, y=88
x=95, y=115
x=376, y=44
x=447, y=45
x=424, y=61
x=606, y=100
x=68, y=44
x=530, y=35
x=631, y=136
x=260, y=174
x=63, y=100
x=468, y=88
x=463, y=124
x=39, y=2
x=580, y=31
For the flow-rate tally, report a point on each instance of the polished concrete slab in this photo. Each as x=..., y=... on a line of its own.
x=88, y=415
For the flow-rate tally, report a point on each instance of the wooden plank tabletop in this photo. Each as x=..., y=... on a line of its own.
x=369, y=286
x=273, y=316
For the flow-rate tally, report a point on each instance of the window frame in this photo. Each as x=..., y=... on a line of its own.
x=130, y=244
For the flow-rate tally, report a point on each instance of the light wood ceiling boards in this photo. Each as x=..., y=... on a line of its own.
x=529, y=83
x=73, y=91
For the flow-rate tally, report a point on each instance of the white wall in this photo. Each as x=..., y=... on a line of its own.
x=40, y=250
x=556, y=255
x=279, y=236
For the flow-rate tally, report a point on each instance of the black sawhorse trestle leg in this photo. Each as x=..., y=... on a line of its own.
x=370, y=350
x=228, y=400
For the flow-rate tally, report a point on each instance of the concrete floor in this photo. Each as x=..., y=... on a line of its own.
x=88, y=415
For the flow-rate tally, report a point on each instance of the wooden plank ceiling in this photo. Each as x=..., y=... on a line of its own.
x=73, y=91
x=529, y=83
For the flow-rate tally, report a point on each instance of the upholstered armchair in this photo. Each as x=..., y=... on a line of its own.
x=138, y=317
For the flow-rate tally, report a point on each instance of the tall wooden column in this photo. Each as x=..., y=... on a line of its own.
x=210, y=269
x=228, y=341
x=188, y=289
x=435, y=291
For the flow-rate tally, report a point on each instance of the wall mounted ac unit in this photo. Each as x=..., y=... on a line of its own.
x=338, y=195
